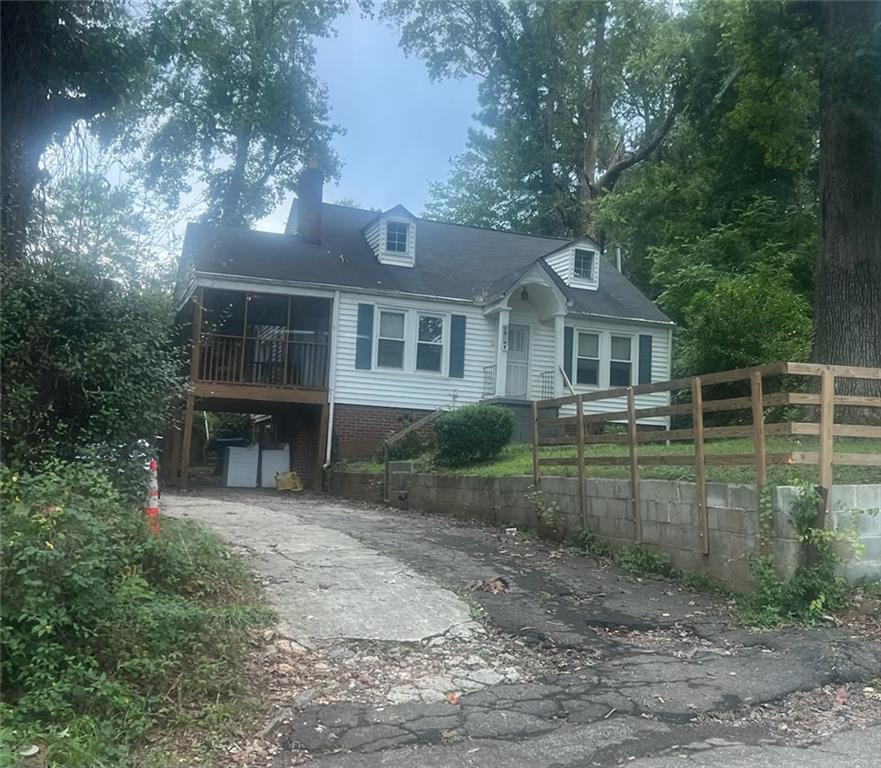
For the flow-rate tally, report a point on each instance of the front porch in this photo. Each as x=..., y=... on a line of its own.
x=529, y=320
x=258, y=353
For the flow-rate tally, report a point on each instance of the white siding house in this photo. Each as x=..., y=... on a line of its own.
x=418, y=314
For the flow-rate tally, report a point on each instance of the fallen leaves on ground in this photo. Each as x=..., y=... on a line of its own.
x=498, y=586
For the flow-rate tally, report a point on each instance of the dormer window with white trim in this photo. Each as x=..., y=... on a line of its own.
x=396, y=236
x=392, y=237
x=584, y=264
x=578, y=264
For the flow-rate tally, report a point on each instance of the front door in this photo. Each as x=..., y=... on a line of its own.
x=517, y=381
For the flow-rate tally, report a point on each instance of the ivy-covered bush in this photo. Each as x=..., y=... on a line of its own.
x=472, y=433
x=106, y=630
x=89, y=363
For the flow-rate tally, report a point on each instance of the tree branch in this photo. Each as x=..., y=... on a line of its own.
x=610, y=176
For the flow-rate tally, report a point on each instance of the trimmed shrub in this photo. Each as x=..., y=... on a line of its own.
x=472, y=433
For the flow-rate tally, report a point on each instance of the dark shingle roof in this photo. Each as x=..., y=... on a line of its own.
x=452, y=261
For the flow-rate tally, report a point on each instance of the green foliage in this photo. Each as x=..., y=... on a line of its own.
x=236, y=83
x=745, y=320
x=62, y=63
x=638, y=560
x=88, y=362
x=548, y=512
x=104, y=628
x=589, y=543
x=815, y=588
x=545, y=147
x=472, y=433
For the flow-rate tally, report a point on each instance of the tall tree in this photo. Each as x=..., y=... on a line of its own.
x=237, y=103
x=61, y=62
x=847, y=312
x=572, y=95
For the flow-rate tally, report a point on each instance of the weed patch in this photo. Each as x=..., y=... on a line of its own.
x=106, y=631
x=815, y=588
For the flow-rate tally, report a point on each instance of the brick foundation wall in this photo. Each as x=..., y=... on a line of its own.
x=300, y=426
x=358, y=430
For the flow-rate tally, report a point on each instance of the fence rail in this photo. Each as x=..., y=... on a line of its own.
x=574, y=430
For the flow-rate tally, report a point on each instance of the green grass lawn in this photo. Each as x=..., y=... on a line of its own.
x=517, y=460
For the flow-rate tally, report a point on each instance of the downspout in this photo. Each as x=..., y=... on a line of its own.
x=331, y=384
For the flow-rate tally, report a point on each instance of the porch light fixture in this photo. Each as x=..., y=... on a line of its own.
x=524, y=295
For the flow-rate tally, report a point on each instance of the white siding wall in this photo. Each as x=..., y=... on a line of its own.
x=374, y=235
x=561, y=263
x=661, y=365
x=411, y=389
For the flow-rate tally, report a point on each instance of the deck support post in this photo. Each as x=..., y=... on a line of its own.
x=322, y=447
x=186, y=443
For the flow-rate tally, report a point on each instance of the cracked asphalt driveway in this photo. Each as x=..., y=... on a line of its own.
x=578, y=665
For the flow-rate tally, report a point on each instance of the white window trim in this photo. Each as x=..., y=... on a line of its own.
x=409, y=251
x=406, y=226
x=411, y=340
x=444, y=318
x=622, y=335
x=585, y=282
x=605, y=351
x=599, y=358
x=376, y=338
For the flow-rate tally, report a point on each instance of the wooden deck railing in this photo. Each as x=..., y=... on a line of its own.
x=268, y=362
x=574, y=430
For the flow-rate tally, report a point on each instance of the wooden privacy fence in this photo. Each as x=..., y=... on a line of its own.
x=575, y=430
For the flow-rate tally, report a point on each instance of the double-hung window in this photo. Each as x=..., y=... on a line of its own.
x=587, y=370
x=584, y=264
x=390, y=340
x=430, y=343
x=396, y=236
x=621, y=361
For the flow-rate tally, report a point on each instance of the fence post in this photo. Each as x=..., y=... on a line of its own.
x=536, y=469
x=634, y=465
x=759, y=448
x=579, y=450
x=827, y=420
x=697, y=416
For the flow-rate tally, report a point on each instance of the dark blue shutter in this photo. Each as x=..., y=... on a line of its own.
x=457, y=346
x=364, y=341
x=645, y=358
x=568, y=341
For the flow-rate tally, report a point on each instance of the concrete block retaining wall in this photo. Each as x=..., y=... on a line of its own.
x=668, y=511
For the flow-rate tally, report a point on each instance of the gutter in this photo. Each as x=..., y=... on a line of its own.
x=327, y=287
x=331, y=384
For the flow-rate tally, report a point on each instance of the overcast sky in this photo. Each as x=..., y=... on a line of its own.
x=400, y=128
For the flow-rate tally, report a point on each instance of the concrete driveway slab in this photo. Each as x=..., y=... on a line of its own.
x=326, y=584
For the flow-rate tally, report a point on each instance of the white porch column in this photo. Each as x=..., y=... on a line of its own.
x=559, y=324
x=502, y=353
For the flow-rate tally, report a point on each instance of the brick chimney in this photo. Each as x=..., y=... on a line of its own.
x=309, y=199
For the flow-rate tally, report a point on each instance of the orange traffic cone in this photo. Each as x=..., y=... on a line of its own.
x=151, y=508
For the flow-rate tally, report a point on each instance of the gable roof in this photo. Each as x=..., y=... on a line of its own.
x=452, y=261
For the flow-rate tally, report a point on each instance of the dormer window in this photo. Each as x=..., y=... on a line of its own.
x=396, y=236
x=392, y=237
x=584, y=264
x=578, y=264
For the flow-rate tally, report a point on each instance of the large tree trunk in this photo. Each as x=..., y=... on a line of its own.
x=847, y=311
x=593, y=121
